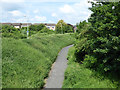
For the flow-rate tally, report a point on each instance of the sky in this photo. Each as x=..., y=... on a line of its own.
x=44, y=11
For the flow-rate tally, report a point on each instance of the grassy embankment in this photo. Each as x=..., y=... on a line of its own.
x=27, y=62
x=77, y=76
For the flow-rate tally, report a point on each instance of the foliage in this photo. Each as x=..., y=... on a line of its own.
x=77, y=76
x=36, y=27
x=10, y=31
x=97, y=46
x=46, y=30
x=33, y=29
x=27, y=62
x=62, y=27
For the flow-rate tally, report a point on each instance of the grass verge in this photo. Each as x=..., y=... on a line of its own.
x=27, y=62
x=77, y=76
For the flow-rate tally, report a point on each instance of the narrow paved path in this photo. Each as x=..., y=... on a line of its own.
x=56, y=76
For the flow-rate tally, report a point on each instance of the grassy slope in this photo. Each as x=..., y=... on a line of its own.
x=77, y=76
x=26, y=63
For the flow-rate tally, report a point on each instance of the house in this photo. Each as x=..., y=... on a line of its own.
x=37, y=23
x=50, y=26
x=25, y=24
x=75, y=29
x=16, y=25
x=6, y=23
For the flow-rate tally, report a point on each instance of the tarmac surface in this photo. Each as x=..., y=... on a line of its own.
x=56, y=76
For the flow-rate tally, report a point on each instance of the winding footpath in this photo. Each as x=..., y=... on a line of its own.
x=56, y=76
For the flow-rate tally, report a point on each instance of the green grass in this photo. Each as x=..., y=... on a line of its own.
x=27, y=62
x=77, y=76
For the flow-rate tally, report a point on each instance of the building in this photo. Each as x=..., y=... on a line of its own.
x=75, y=28
x=6, y=23
x=37, y=23
x=50, y=26
x=16, y=25
x=25, y=24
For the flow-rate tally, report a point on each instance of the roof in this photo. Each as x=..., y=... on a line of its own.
x=36, y=23
x=47, y=24
x=6, y=23
x=70, y=24
x=26, y=23
x=50, y=24
x=16, y=24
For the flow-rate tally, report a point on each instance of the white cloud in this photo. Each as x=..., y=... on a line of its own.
x=54, y=15
x=18, y=20
x=76, y=12
x=39, y=19
x=12, y=1
x=51, y=21
x=16, y=13
x=66, y=9
x=53, y=0
x=36, y=11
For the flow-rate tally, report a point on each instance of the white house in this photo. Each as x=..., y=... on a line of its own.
x=25, y=24
x=50, y=26
x=16, y=25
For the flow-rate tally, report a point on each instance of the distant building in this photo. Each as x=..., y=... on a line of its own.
x=25, y=24
x=37, y=23
x=16, y=25
x=50, y=26
x=6, y=23
x=75, y=28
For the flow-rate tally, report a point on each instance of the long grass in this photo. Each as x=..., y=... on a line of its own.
x=77, y=76
x=27, y=62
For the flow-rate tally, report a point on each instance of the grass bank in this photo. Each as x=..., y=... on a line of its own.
x=27, y=62
x=77, y=76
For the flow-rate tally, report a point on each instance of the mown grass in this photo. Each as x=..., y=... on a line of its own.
x=27, y=62
x=77, y=76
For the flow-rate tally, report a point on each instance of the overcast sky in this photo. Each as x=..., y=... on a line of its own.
x=44, y=11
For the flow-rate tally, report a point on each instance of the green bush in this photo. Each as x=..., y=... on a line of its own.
x=11, y=32
x=98, y=40
x=77, y=76
x=46, y=30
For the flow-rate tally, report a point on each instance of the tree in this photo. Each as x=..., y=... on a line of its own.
x=60, y=27
x=69, y=28
x=10, y=31
x=46, y=30
x=100, y=49
x=36, y=28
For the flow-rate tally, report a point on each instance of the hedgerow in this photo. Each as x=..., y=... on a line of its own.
x=98, y=40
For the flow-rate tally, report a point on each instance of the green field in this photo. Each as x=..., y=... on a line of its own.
x=77, y=76
x=27, y=62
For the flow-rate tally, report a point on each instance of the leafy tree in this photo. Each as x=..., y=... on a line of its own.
x=46, y=30
x=69, y=29
x=62, y=27
x=98, y=44
x=10, y=31
x=33, y=29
